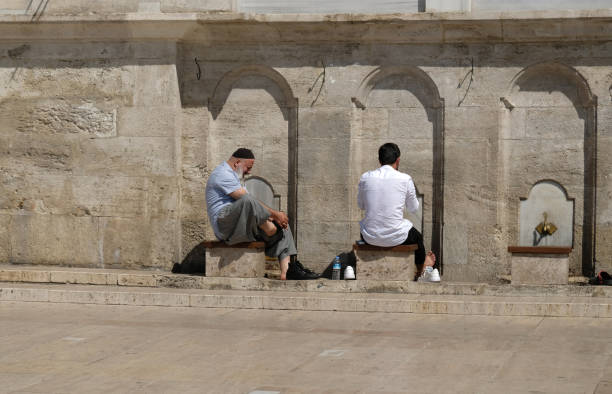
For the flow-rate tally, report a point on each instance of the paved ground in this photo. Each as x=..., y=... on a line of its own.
x=69, y=348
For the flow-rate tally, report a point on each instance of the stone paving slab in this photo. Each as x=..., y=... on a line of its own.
x=560, y=306
x=159, y=279
x=75, y=348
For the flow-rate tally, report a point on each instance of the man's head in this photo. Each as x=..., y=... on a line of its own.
x=242, y=161
x=388, y=154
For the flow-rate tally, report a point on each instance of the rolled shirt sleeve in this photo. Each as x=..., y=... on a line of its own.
x=412, y=202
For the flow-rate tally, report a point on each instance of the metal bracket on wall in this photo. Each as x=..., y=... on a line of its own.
x=470, y=73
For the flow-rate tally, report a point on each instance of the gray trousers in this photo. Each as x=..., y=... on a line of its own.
x=240, y=221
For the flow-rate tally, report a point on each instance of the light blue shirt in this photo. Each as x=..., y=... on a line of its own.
x=222, y=181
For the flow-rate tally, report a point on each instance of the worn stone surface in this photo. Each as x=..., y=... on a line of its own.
x=473, y=353
x=539, y=269
x=385, y=265
x=111, y=127
x=235, y=262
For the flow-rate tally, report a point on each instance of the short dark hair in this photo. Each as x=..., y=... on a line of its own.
x=388, y=153
x=243, y=153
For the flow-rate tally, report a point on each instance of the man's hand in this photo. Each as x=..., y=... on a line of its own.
x=279, y=217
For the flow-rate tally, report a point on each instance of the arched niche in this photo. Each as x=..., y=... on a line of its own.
x=549, y=132
x=253, y=106
x=549, y=203
x=263, y=191
x=402, y=104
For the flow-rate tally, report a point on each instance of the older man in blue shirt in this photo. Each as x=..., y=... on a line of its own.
x=236, y=216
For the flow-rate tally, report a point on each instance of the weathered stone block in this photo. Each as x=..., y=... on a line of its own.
x=534, y=160
x=195, y=122
x=18, y=274
x=14, y=5
x=54, y=239
x=471, y=122
x=555, y=123
x=87, y=278
x=193, y=232
x=147, y=121
x=409, y=124
x=370, y=123
x=399, y=91
x=74, y=195
x=238, y=262
x=143, y=156
x=194, y=160
x=50, y=116
x=71, y=7
x=4, y=238
x=319, y=242
x=136, y=280
x=162, y=197
x=466, y=161
x=324, y=202
x=193, y=198
x=110, y=83
x=29, y=153
x=470, y=203
x=385, y=264
x=465, y=33
x=107, y=196
x=138, y=242
x=604, y=206
x=325, y=122
x=318, y=157
x=455, y=243
x=604, y=163
x=604, y=120
x=196, y=5
x=155, y=85
x=540, y=269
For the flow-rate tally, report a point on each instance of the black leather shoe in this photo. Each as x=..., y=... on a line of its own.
x=296, y=273
x=307, y=270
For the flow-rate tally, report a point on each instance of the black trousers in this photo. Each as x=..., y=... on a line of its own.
x=414, y=237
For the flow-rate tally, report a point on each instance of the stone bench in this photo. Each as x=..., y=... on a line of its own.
x=243, y=260
x=375, y=262
x=540, y=265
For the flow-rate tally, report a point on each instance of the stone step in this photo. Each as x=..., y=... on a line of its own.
x=559, y=306
x=159, y=279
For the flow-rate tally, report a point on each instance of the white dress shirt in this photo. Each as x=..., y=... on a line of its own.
x=383, y=194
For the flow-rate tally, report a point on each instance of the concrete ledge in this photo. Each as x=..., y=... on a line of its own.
x=19, y=274
x=540, y=265
x=540, y=249
x=375, y=262
x=361, y=302
x=244, y=260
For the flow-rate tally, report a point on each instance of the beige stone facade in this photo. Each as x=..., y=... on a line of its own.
x=112, y=120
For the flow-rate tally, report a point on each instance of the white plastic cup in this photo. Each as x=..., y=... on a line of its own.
x=349, y=273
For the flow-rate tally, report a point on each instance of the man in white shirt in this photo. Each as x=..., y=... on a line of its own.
x=383, y=194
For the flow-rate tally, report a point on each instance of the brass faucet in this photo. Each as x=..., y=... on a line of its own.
x=545, y=227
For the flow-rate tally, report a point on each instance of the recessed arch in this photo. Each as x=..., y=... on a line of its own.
x=429, y=97
x=227, y=82
x=584, y=96
x=286, y=102
x=566, y=87
x=430, y=100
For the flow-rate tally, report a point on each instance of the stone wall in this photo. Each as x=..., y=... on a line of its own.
x=107, y=145
x=89, y=154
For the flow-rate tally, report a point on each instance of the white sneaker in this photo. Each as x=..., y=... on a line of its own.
x=430, y=275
